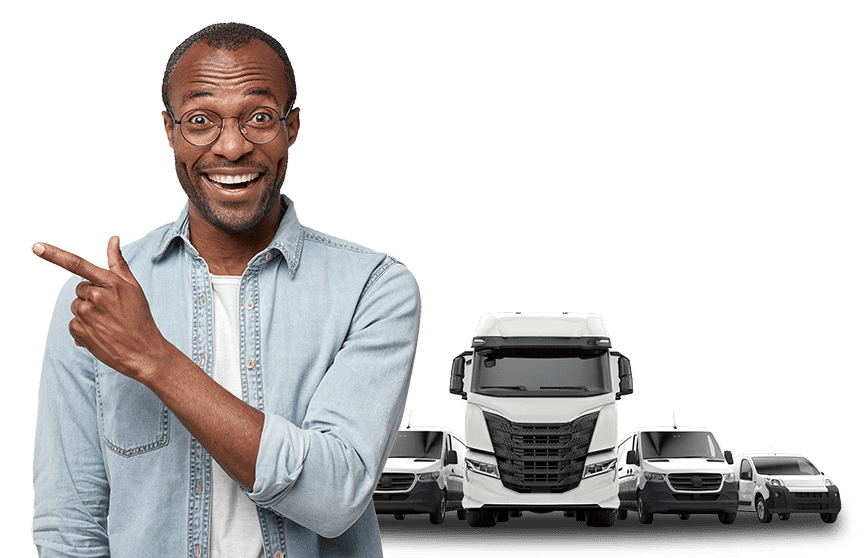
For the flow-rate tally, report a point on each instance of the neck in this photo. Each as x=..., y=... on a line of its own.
x=229, y=252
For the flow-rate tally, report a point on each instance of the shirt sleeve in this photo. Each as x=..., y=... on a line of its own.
x=322, y=475
x=69, y=480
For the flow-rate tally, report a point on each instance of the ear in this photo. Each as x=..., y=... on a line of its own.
x=293, y=124
x=169, y=127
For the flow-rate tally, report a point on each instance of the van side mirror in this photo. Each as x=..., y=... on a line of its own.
x=626, y=386
x=631, y=458
x=746, y=475
x=729, y=457
x=458, y=370
x=451, y=458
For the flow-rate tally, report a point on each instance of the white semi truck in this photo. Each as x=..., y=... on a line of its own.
x=541, y=420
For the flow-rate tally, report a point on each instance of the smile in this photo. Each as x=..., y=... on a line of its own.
x=232, y=181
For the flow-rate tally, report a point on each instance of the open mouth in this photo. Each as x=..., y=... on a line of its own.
x=233, y=181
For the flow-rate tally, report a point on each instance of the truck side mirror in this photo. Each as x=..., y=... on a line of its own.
x=451, y=458
x=631, y=458
x=458, y=369
x=729, y=457
x=626, y=385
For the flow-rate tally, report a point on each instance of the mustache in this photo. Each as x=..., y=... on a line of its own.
x=224, y=164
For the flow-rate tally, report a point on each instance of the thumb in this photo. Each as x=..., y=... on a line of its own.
x=116, y=263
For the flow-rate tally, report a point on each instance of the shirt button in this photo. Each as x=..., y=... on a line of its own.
x=278, y=554
x=268, y=257
x=202, y=301
x=250, y=305
x=201, y=360
x=251, y=363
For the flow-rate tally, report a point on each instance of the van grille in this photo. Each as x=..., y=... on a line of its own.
x=692, y=482
x=811, y=501
x=541, y=457
x=395, y=481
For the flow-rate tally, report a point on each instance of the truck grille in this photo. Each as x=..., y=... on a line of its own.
x=691, y=482
x=541, y=457
x=395, y=481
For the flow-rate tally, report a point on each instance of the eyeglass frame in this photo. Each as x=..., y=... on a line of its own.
x=222, y=123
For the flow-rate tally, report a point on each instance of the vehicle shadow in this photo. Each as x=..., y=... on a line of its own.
x=556, y=527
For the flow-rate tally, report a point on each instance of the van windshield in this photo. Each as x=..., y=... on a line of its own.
x=541, y=372
x=776, y=465
x=418, y=444
x=679, y=444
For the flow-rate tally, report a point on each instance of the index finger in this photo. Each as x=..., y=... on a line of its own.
x=72, y=263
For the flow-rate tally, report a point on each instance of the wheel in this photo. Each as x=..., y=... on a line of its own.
x=829, y=517
x=600, y=518
x=515, y=513
x=502, y=516
x=685, y=516
x=643, y=516
x=764, y=516
x=727, y=517
x=784, y=516
x=480, y=518
x=437, y=517
x=461, y=514
x=621, y=514
x=399, y=516
x=569, y=513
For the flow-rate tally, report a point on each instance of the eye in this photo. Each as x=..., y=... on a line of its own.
x=199, y=119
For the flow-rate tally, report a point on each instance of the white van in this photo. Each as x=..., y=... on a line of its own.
x=423, y=474
x=785, y=484
x=675, y=470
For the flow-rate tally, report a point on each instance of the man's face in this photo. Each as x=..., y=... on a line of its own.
x=232, y=183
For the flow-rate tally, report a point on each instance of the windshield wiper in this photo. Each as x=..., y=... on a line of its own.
x=582, y=388
x=518, y=388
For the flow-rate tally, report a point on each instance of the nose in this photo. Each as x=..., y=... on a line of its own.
x=231, y=143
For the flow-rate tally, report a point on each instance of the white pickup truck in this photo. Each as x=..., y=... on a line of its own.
x=785, y=484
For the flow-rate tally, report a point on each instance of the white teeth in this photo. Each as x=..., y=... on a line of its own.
x=232, y=178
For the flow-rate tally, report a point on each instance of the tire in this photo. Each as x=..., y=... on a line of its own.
x=502, y=516
x=764, y=515
x=727, y=517
x=461, y=514
x=600, y=518
x=480, y=518
x=643, y=516
x=685, y=516
x=438, y=517
x=829, y=517
x=784, y=516
x=400, y=516
x=515, y=513
x=621, y=514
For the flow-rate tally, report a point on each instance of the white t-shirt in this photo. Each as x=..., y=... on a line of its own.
x=235, y=531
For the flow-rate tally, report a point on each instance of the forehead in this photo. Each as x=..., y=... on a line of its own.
x=206, y=73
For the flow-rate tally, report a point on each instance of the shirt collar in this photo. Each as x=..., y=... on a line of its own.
x=289, y=240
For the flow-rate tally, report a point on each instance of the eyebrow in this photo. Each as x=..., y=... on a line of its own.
x=257, y=92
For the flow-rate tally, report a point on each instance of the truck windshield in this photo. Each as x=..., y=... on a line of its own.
x=776, y=465
x=679, y=444
x=418, y=444
x=541, y=372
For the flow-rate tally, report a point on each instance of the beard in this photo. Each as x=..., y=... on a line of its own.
x=229, y=218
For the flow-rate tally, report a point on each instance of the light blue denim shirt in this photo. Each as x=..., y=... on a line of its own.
x=328, y=331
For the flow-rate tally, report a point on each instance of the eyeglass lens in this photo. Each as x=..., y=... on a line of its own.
x=202, y=127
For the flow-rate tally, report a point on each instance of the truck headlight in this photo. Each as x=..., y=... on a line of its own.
x=729, y=477
x=775, y=482
x=482, y=468
x=599, y=468
x=424, y=477
x=653, y=477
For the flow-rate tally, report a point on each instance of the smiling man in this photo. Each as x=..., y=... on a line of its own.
x=231, y=384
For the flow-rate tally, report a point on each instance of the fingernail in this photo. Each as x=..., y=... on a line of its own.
x=38, y=249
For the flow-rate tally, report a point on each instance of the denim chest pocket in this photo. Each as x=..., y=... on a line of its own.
x=133, y=419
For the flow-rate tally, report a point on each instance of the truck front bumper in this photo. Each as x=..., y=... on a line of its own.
x=783, y=500
x=424, y=497
x=659, y=498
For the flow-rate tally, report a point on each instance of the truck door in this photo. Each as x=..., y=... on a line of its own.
x=626, y=473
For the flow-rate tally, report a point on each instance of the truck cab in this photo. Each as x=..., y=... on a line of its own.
x=676, y=470
x=784, y=484
x=541, y=420
x=423, y=474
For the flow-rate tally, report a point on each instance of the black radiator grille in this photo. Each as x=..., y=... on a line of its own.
x=395, y=481
x=691, y=482
x=541, y=457
x=811, y=501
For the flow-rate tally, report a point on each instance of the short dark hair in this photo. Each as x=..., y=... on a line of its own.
x=227, y=36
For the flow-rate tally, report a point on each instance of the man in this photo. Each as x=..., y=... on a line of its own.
x=231, y=385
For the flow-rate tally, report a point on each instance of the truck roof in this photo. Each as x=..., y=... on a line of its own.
x=523, y=324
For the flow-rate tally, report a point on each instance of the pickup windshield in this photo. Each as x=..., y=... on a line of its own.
x=541, y=372
x=679, y=444
x=418, y=444
x=777, y=465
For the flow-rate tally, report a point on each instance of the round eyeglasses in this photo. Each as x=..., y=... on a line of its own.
x=202, y=127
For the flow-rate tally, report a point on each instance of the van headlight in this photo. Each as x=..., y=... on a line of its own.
x=653, y=477
x=775, y=482
x=599, y=468
x=487, y=469
x=425, y=477
x=729, y=477
x=828, y=482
